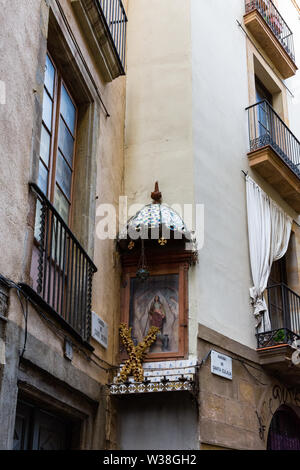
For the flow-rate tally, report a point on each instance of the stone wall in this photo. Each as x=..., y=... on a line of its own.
x=236, y=414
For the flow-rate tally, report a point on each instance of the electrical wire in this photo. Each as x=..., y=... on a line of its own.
x=81, y=55
x=25, y=315
x=77, y=348
x=12, y=284
x=244, y=363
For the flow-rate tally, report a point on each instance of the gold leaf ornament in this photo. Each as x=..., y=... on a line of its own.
x=136, y=354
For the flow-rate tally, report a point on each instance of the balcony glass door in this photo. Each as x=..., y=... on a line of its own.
x=264, y=117
x=277, y=302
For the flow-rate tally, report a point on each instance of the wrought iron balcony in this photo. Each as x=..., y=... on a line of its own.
x=104, y=23
x=274, y=151
x=61, y=269
x=284, y=311
x=268, y=27
x=275, y=22
x=267, y=128
x=116, y=22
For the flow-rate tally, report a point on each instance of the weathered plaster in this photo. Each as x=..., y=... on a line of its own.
x=25, y=29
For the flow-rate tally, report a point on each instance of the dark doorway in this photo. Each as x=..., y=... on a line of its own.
x=38, y=429
x=262, y=93
x=284, y=432
x=277, y=300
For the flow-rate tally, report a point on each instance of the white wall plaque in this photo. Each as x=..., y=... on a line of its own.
x=99, y=330
x=221, y=365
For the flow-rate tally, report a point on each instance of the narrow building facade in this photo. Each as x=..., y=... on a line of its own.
x=150, y=230
x=62, y=133
x=212, y=113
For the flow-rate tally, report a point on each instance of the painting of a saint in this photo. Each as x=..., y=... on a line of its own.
x=157, y=317
x=155, y=303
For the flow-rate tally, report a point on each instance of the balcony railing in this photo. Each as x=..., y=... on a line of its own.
x=116, y=22
x=267, y=128
x=276, y=23
x=62, y=270
x=284, y=311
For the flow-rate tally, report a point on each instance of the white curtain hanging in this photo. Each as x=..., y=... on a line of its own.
x=269, y=229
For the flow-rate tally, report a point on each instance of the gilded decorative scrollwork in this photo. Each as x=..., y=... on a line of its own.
x=136, y=354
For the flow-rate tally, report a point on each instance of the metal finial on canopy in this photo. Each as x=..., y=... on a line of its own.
x=156, y=194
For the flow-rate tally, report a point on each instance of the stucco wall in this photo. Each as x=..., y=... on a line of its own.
x=187, y=90
x=184, y=67
x=24, y=27
x=158, y=130
x=158, y=119
x=219, y=293
x=221, y=92
x=292, y=18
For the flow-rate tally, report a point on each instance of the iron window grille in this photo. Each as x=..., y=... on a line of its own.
x=64, y=269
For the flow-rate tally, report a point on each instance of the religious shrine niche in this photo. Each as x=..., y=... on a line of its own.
x=156, y=251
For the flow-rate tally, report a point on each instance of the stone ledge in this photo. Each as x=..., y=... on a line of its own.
x=40, y=356
x=264, y=35
x=228, y=344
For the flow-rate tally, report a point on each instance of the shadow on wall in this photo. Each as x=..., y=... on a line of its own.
x=166, y=421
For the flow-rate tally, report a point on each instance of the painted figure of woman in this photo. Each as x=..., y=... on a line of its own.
x=157, y=317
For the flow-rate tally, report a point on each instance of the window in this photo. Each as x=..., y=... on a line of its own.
x=61, y=268
x=39, y=429
x=58, y=136
x=278, y=273
x=264, y=113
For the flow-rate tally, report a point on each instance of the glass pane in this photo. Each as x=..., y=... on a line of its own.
x=63, y=175
x=45, y=145
x=49, y=76
x=68, y=109
x=65, y=142
x=47, y=110
x=61, y=204
x=43, y=178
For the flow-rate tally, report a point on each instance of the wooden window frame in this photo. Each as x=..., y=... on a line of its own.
x=180, y=268
x=54, y=134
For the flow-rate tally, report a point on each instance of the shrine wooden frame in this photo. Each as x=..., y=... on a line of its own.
x=181, y=268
